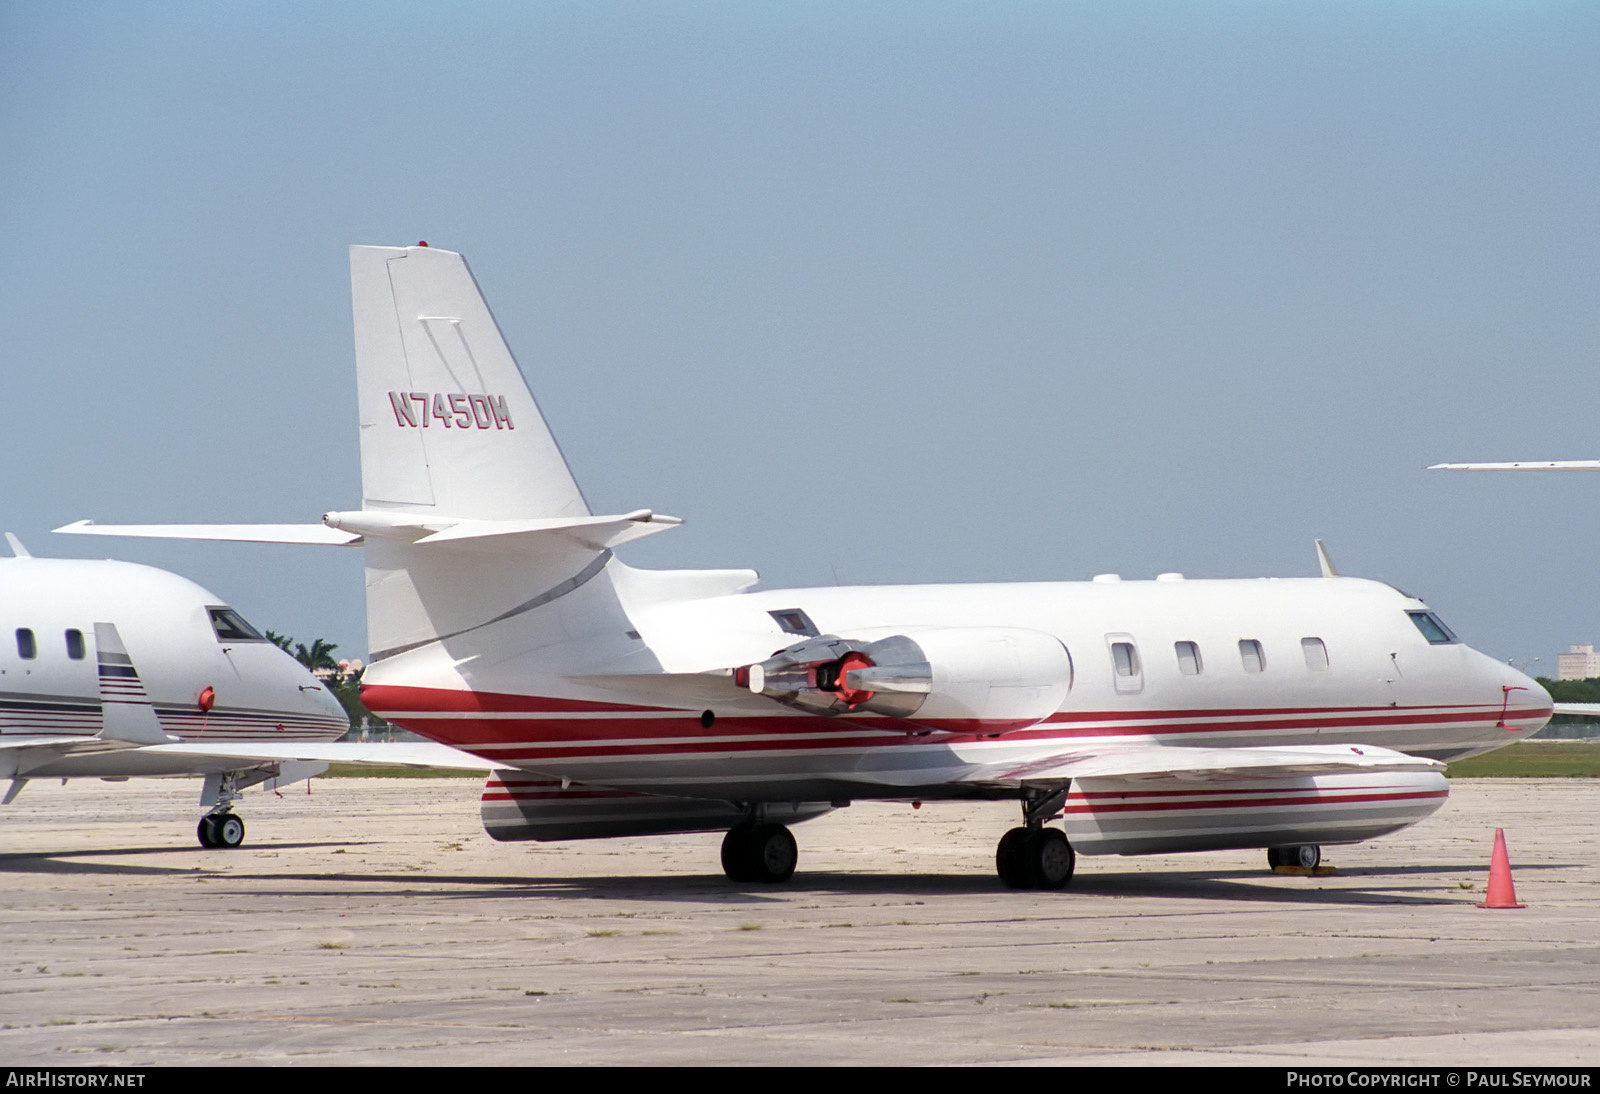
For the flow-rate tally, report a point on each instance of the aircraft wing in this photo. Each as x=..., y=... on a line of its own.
x=401, y=754
x=1548, y=465
x=64, y=745
x=1158, y=762
x=1577, y=708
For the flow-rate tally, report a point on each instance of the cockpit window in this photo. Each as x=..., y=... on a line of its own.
x=795, y=621
x=231, y=627
x=1432, y=628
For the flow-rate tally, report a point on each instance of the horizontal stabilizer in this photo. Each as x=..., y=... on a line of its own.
x=594, y=533
x=353, y=529
x=1216, y=764
x=313, y=534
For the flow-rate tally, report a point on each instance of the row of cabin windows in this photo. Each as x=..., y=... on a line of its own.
x=1125, y=657
x=228, y=624
x=28, y=645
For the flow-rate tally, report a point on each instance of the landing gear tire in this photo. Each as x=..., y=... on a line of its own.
x=1011, y=859
x=1307, y=856
x=1051, y=859
x=763, y=853
x=221, y=830
x=229, y=830
x=1039, y=858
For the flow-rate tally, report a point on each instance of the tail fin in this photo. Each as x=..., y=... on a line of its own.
x=470, y=516
x=448, y=425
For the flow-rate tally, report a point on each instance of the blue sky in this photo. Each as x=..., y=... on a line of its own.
x=866, y=292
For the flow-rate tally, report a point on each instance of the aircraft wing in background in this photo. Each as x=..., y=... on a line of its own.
x=1547, y=465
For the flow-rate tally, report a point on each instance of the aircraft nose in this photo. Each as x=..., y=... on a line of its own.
x=329, y=703
x=1525, y=701
x=303, y=695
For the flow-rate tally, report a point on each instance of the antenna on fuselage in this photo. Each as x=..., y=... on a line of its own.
x=1324, y=561
x=17, y=549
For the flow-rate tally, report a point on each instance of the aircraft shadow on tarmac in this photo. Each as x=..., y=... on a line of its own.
x=1371, y=885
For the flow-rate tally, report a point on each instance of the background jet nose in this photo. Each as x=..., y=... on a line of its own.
x=328, y=703
x=1525, y=701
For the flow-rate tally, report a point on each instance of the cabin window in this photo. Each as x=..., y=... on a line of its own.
x=1188, y=658
x=795, y=621
x=1250, y=653
x=1125, y=658
x=27, y=648
x=1127, y=673
x=1432, y=628
x=75, y=645
x=231, y=627
x=1316, y=653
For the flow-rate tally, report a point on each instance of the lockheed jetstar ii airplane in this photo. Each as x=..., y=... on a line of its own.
x=110, y=670
x=1149, y=716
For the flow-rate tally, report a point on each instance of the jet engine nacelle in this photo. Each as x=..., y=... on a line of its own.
x=957, y=679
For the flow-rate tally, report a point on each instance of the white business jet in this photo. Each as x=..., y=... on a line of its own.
x=111, y=670
x=1148, y=716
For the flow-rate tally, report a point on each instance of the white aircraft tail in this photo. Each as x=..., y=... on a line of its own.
x=470, y=514
x=448, y=425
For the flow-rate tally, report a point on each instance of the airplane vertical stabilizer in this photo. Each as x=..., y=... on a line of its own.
x=448, y=424
x=470, y=517
x=470, y=514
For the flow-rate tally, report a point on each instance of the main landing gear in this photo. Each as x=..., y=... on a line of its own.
x=759, y=851
x=221, y=830
x=1033, y=856
x=1305, y=856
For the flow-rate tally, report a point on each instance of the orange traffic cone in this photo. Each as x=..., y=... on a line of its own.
x=1502, y=894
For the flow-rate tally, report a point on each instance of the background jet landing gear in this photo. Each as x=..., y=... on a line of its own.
x=221, y=830
x=1033, y=856
x=1306, y=856
x=220, y=827
x=757, y=851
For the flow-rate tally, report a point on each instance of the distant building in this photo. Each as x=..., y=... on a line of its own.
x=1578, y=663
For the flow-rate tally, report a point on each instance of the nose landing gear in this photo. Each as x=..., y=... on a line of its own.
x=221, y=827
x=221, y=830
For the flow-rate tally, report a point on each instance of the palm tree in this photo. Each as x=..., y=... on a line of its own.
x=344, y=686
x=318, y=656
